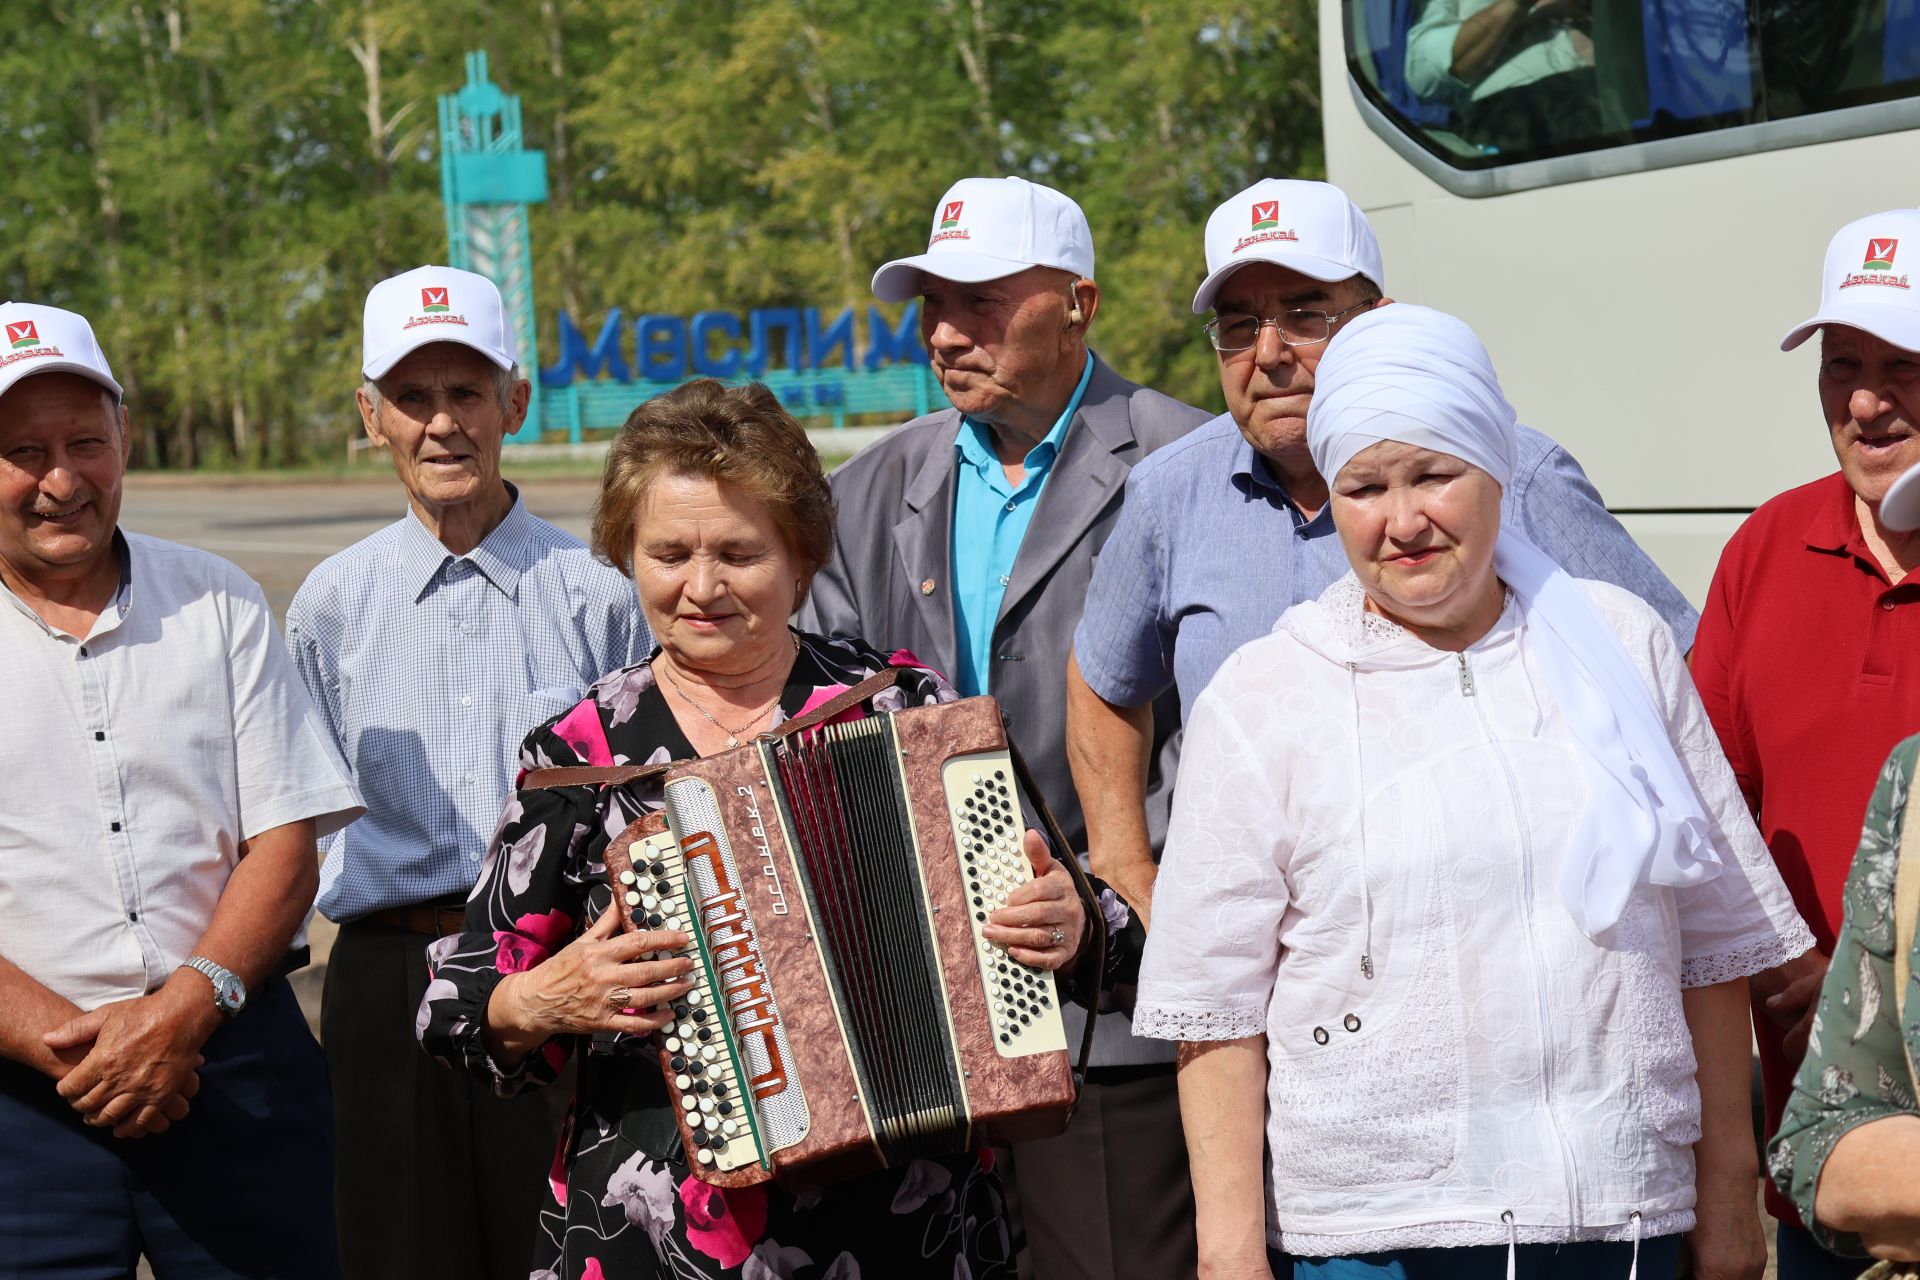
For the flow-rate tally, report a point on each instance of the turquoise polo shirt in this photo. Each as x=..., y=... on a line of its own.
x=990, y=519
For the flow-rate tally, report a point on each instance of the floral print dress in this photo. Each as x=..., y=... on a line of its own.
x=623, y=1204
x=1856, y=1069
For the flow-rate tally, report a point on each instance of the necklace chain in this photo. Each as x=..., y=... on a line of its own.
x=733, y=735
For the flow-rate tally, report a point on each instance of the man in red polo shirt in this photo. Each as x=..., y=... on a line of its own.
x=1808, y=654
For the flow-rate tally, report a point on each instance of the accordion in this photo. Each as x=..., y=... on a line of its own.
x=847, y=1011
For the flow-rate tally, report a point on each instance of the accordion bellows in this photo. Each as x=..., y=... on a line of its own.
x=847, y=1012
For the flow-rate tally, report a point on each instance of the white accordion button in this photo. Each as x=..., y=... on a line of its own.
x=706, y=1156
x=684, y=1082
x=633, y=899
x=688, y=1102
x=673, y=1044
x=627, y=876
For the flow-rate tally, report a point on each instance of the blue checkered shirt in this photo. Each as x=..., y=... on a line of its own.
x=430, y=668
x=1209, y=551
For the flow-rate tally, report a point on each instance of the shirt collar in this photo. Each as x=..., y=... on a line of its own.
x=116, y=611
x=1835, y=525
x=501, y=556
x=976, y=444
x=1256, y=474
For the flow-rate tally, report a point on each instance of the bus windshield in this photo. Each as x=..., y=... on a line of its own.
x=1485, y=83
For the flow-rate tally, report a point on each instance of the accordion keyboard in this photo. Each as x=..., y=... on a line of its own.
x=702, y=1060
x=988, y=831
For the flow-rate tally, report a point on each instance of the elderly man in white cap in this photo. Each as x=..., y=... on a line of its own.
x=1808, y=657
x=969, y=536
x=165, y=777
x=1226, y=530
x=433, y=647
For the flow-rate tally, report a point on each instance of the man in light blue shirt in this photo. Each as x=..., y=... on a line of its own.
x=991, y=512
x=968, y=536
x=432, y=648
x=1227, y=528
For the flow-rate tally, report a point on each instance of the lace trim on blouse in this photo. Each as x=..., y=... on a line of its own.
x=1461, y=1235
x=1198, y=1024
x=1743, y=962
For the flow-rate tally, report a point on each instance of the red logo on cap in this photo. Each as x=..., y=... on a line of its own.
x=950, y=216
x=433, y=299
x=1880, y=255
x=22, y=334
x=1266, y=213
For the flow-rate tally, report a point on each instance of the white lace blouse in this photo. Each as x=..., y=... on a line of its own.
x=1347, y=792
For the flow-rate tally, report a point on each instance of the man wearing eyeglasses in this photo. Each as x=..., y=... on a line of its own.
x=1225, y=529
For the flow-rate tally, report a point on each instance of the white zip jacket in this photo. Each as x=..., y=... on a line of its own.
x=1500, y=1077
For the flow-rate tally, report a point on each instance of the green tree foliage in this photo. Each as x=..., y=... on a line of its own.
x=217, y=182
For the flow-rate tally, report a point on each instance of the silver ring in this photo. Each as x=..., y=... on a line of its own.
x=1058, y=937
x=619, y=998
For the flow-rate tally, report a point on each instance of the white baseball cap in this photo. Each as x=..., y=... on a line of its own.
x=1900, y=509
x=434, y=304
x=1309, y=227
x=987, y=228
x=1865, y=283
x=37, y=339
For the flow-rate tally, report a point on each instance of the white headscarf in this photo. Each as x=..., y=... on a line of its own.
x=1416, y=376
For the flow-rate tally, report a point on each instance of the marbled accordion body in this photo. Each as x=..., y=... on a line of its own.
x=847, y=1012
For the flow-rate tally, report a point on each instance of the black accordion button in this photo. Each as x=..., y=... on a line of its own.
x=678, y=1062
x=655, y=920
x=658, y=868
x=719, y=1089
x=700, y=1015
x=680, y=1009
x=696, y=1068
x=725, y=1108
x=699, y=1086
x=703, y=1035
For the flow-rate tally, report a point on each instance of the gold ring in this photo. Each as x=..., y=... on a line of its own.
x=619, y=998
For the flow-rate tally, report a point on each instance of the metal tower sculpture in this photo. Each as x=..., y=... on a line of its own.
x=487, y=180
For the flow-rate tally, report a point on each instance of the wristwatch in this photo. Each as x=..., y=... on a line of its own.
x=229, y=993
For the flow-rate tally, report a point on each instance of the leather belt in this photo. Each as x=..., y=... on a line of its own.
x=433, y=921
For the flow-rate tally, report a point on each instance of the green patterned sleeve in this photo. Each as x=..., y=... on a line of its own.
x=1855, y=1071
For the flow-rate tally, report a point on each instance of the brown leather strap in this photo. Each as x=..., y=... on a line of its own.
x=611, y=775
x=615, y=775
x=1051, y=825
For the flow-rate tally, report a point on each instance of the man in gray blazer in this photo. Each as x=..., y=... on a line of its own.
x=969, y=537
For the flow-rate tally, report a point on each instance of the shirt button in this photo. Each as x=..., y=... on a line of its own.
x=1010, y=506
x=466, y=628
x=468, y=779
x=1004, y=579
x=473, y=857
x=466, y=699
x=1887, y=605
x=99, y=736
x=133, y=917
x=83, y=651
x=115, y=826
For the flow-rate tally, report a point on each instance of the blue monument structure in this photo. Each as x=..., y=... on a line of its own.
x=489, y=180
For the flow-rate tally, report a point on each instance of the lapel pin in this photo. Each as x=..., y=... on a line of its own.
x=926, y=588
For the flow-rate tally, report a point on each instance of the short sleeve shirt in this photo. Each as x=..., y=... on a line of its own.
x=172, y=732
x=430, y=668
x=1808, y=661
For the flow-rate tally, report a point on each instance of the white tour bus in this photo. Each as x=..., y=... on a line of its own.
x=1630, y=201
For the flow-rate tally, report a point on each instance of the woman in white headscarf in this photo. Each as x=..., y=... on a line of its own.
x=1458, y=875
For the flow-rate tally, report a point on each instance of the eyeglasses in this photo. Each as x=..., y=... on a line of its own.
x=1234, y=331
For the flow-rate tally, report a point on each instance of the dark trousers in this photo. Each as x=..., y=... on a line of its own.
x=1799, y=1258
x=1110, y=1199
x=242, y=1187
x=437, y=1176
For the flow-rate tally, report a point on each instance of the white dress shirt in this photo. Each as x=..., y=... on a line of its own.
x=134, y=763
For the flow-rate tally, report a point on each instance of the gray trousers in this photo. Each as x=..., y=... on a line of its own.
x=435, y=1176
